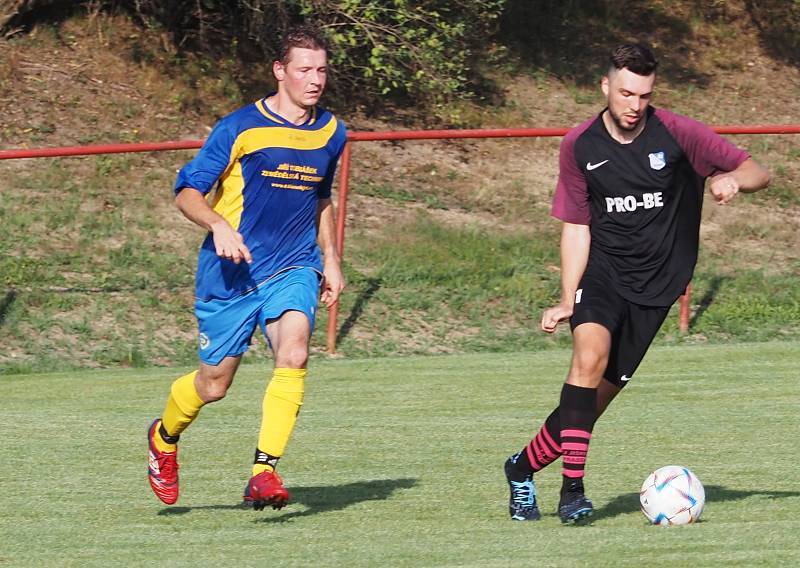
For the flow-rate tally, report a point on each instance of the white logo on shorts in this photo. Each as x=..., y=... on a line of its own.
x=204, y=341
x=578, y=294
x=624, y=378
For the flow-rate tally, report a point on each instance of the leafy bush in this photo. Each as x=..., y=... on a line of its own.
x=418, y=50
x=402, y=51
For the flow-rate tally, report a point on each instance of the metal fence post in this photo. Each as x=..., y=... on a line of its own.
x=341, y=218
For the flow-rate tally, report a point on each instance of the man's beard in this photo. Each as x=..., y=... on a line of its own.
x=620, y=124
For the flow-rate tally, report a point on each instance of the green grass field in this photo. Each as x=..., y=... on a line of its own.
x=397, y=462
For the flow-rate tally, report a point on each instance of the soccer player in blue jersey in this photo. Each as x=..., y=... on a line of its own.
x=629, y=193
x=270, y=251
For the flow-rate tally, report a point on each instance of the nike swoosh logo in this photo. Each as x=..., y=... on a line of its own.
x=624, y=379
x=590, y=166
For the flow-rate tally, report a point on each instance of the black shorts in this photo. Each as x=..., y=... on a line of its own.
x=632, y=326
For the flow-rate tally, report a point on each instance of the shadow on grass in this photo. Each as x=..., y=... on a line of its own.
x=5, y=304
x=708, y=298
x=317, y=499
x=373, y=285
x=629, y=502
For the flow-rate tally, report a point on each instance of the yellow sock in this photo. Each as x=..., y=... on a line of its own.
x=183, y=406
x=282, y=403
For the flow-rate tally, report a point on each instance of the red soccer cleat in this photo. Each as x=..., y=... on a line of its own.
x=264, y=489
x=162, y=468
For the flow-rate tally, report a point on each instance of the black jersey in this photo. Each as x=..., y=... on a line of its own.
x=642, y=200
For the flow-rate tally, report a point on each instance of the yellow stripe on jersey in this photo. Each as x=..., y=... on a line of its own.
x=229, y=198
x=255, y=139
x=263, y=109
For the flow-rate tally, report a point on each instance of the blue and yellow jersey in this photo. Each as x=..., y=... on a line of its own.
x=269, y=175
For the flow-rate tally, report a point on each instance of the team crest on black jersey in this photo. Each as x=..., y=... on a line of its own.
x=657, y=160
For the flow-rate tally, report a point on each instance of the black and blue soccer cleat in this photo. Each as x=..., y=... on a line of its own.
x=574, y=508
x=522, y=502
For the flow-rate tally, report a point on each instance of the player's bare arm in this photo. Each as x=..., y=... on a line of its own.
x=750, y=176
x=333, y=282
x=228, y=242
x=575, y=241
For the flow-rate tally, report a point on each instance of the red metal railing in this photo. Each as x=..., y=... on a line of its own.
x=99, y=149
x=344, y=179
x=356, y=137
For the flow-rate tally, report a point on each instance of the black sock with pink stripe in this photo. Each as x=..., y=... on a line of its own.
x=543, y=449
x=578, y=412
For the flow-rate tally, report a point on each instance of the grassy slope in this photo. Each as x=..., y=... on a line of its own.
x=449, y=248
x=397, y=462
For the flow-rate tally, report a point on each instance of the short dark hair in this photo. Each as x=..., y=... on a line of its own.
x=634, y=57
x=304, y=36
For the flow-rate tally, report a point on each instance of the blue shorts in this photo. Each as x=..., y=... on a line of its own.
x=227, y=326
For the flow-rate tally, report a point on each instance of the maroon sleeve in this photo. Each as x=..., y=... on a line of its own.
x=571, y=199
x=708, y=152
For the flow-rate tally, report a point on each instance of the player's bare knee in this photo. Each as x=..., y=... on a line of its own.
x=294, y=357
x=212, y=385
x=589, y=364
x=214, y=392
x=587, y=370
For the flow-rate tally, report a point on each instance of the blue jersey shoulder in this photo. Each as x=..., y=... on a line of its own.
x=214, y=157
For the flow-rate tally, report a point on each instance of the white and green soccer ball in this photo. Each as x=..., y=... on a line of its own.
x=672, y=495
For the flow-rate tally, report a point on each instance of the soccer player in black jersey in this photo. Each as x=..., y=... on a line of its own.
x=629, y=193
